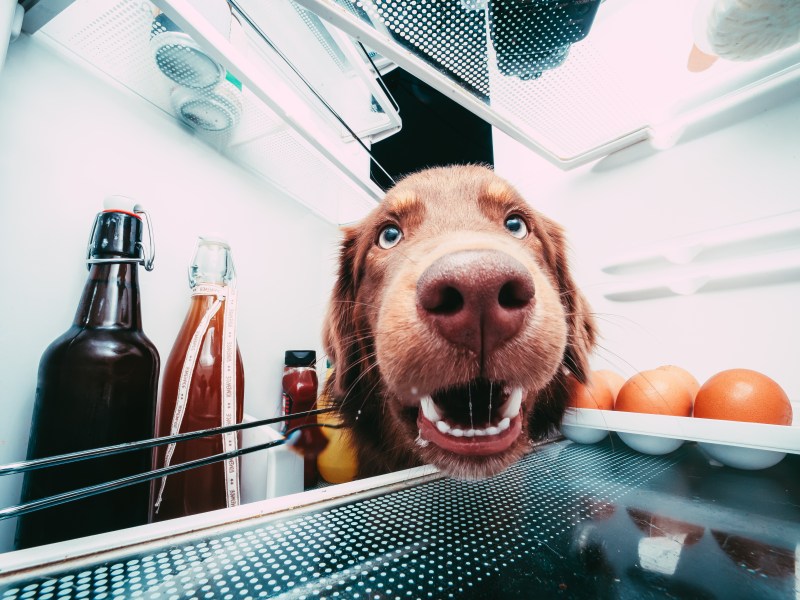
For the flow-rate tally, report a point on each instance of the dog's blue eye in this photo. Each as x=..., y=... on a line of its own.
x=389, y=237
x=516, y=226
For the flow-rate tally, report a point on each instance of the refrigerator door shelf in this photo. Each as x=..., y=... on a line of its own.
x=732, y=443
x=755, y=253
x=741, y=240
x=769, y=269
x=260, y=113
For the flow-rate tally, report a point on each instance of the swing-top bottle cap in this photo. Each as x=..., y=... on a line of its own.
x=117, y=233
x=212, y=262
x=300, y=358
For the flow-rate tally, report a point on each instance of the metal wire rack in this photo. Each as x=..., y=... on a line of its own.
x=85, y=492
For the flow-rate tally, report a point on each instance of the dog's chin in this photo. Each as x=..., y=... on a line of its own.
x=469, y=431
x=472, y=467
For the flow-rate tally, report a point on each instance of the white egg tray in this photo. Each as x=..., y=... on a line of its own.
x=732, y=443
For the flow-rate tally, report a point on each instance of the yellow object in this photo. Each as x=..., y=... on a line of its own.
x=338, y=462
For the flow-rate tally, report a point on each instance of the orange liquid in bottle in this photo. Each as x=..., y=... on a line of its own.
x=202, y=488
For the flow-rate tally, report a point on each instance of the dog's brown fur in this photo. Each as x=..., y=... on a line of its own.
x=386, y=356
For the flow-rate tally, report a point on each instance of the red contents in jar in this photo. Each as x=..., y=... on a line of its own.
x=300, y=387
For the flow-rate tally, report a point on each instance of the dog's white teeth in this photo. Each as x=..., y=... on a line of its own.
x=509, y=410
x=429, y=409
x=511, y=407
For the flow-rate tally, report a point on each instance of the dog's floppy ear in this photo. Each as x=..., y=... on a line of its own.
x=339, y=335
x=581, y=326
x=581, y=331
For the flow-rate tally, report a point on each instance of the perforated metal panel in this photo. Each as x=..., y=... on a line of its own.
x=572, y=520
x=441, y=539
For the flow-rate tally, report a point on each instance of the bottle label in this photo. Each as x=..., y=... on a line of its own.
x=226, y=295
x=229, y=440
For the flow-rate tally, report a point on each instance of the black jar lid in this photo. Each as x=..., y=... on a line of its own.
x=116, y=233
x=300, y=358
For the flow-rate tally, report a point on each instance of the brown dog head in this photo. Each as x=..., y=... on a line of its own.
x=451, y=325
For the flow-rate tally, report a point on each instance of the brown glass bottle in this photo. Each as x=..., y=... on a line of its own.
x=199, y=489
x=96, y=387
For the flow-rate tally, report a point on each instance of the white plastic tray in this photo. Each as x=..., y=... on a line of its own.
x=733, y=443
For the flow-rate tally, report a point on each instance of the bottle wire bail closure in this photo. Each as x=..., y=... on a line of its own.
x=147, y=262
x=143, y=259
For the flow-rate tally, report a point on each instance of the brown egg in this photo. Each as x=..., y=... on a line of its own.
x=614, y=380
x=691, y=381
x=594, y=394
x=743, y=395
x=658, y=392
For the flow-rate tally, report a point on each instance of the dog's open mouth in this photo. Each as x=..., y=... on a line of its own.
x=478, y=418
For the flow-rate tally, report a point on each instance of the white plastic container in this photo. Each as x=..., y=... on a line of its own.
x=268, y=473
x=732, y=443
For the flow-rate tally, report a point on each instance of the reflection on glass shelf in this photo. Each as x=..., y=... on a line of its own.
x=699, y=531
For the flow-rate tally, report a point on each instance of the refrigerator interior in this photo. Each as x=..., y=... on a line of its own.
x=74, y=132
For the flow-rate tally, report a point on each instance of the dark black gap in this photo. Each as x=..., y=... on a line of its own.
x=436, y=132
x=454, y=402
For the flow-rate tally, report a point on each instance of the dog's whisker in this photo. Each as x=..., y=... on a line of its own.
x=356, y=416
x=354, y=303
x=372, y=333
x=491, y=384
x=619, y=360
x=469, y=393
x=367, y=396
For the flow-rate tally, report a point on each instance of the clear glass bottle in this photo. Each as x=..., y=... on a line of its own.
x=193, y=392
x=96, y=387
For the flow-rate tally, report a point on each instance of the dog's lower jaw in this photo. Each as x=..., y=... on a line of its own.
x=408, y=434
x=473, y=467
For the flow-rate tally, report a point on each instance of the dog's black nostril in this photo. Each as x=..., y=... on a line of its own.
x=450, y=301
x=514, y=294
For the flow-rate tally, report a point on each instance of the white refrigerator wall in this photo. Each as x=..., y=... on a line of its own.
x=70, y=138
x=630, y=201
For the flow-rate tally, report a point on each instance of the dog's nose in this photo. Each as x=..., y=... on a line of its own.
x=477, y=299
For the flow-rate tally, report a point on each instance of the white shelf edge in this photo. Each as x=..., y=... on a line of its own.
x=758, y=436
x=686, y=249
x=778, y=267
x=21, y=563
